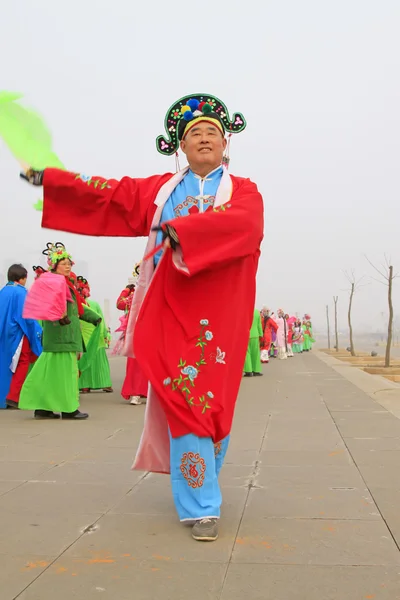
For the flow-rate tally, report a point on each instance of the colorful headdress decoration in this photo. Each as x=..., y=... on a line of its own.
x=55, y=253
x=133, y=280
x=38, y=271
x=83, y=287
x=182, y=115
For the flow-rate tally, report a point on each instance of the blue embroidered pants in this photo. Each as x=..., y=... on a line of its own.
x=195, y=466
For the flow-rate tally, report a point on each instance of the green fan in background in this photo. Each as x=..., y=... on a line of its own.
x=26, y=135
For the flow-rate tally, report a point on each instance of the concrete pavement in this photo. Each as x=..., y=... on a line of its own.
x=311, y=493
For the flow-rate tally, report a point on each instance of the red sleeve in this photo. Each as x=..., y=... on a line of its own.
x=97, y=206
x=121, y=302
x=272, y=324
x=223, y=234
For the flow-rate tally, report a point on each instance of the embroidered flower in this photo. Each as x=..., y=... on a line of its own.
x=84, y=177
x=210, y=395
x=204, y=322
x=190, y=371
x=220, y=358
x=209, y=336
x=167, y=381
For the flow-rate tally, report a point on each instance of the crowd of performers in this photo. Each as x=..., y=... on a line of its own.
x=276, y=336
x=58, y=329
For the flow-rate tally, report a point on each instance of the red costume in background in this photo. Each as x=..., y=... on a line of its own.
x=269, y=326
x=135, y=382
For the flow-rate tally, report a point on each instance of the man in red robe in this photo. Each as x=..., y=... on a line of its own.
x=178, y=326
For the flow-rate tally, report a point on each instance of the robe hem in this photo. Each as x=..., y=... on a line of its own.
x=198, y=518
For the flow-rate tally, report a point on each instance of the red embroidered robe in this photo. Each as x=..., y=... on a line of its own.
x=195, y=367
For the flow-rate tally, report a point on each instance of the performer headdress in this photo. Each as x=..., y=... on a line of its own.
x=188, y=111
x=83, y=287
x=133, y=280
x=55, y=253
x=38, y=270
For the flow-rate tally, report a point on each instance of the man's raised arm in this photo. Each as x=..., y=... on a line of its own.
x=96, y=206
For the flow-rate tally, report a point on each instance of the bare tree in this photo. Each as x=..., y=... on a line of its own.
x=335, y=300
x=386, y=278
x=329, y=330
x=355, y=284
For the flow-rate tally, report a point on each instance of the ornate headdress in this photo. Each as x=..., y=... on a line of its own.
x=83, y=287
x=55, y=253
x=133, y=280
x=187, y=111
x=38, y=271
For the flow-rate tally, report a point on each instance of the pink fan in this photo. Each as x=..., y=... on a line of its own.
x=123, y=323
x=120, y=343
x=291, y=320
x=47, y=299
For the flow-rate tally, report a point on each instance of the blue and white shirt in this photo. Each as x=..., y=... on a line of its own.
x=192, y=195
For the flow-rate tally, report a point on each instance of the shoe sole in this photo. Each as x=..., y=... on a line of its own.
x=47, y=418
x=205, y=539
x=74, y=418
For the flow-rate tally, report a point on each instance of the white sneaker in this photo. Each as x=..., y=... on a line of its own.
x=135, y=400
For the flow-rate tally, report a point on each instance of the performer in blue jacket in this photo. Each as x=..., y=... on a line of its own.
x=20, y=339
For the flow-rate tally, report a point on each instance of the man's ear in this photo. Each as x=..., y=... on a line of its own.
x=183, y=146
x=225, y=142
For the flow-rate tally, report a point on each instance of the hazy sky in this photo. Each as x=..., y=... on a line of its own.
x=317, y=80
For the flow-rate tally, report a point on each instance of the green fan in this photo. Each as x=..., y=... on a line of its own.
x=25, y=134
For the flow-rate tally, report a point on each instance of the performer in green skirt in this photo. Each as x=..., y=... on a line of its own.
x=97, y=376
x=252, y=366
x=308, y=336
x=52, y=385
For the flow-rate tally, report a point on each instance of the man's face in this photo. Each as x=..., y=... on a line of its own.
x=204, y=145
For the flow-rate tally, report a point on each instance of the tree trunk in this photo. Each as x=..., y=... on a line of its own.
x=390, y=324
x=329, y=332
x=335, y=299
x=352, y=351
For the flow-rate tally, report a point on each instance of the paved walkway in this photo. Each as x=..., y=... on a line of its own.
x=311, y=509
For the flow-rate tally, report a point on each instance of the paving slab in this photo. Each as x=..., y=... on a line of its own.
x=314, y=542
x=22, y=470
x=335, y=476
x=312, y=501
x=284, y=582
x=41, y=534
x=62, y=498
x=18, y=572
x=371, y=458
x=331, y=457
x=6, y=486
x=388, y=500
x=369, y=424
x=126, y=578
x=143, y=537
x=330, y=443
x=92, y=472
